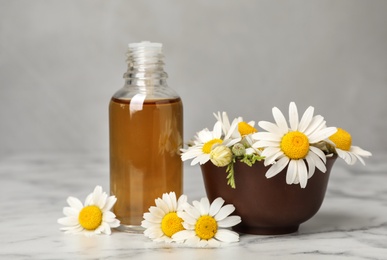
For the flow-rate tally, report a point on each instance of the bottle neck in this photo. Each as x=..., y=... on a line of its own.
x=145, y=65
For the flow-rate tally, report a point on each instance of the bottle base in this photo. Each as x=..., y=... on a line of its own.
x=131, y=229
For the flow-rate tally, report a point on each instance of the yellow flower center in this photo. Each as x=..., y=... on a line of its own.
x=342, y=139
x=295, y=145
x=90, y=217
x=246, y=129
x=206, y=227
x=207, y=147
x=171, y=223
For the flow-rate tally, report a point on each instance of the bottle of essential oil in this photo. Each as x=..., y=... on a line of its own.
x=146, y=134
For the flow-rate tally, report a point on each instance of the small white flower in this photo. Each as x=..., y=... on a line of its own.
x=206, y=225
x=238, y=131
x=344, y=148
x=291, y=146
x=93, y=218
x=162, y=221
x=203, y=144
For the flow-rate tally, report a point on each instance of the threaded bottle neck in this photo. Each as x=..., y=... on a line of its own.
x=145, y=64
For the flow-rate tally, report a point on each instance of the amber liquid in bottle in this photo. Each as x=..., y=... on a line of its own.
x=144, y=155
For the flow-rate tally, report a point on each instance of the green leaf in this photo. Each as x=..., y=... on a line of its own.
x=250, y=159
x=230, y=177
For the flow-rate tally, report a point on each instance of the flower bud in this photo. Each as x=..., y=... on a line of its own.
x=239, y=149
x=221, y=155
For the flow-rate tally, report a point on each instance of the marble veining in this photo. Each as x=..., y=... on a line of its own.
x=351, y=224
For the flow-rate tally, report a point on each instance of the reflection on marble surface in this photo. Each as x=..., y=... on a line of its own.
x=351, y=224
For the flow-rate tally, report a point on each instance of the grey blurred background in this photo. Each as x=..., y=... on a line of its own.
x=60, y=62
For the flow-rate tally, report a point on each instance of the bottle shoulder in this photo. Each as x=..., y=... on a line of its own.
x=149, y=93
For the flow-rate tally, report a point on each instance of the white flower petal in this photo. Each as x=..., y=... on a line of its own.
x=264, y=143
x=272, y=158
x=97, y=193
x=213, y=243
x=233, y=130
x=266, y=136
x=89, y=200
x=147, y=224
x=229, y=221
x=157, y=212
x=360, y=159
x=162, y=205
x=191, y=152
x=357, y=150
x=291, y=174
x=217, y=133
x=102, y=200
x=114, y=223
x=151, y=218
x=192, y=211
x=314, y=125
x=318, y=152
x=183, y=235
x=280, y=120
x=103, y=228
x=227, y=236
x=199, y=207
x=353, y=158
x=302, y=173
x=108, y=216
x=68, y=221
x=272, y=128
x=277, y=167
x=224, y=212
x=215, y=206
x=70, y=212
x=322, y=134
x=251, y=123
x=167, y=199
x=201, y=159
x=153, y=232
x=201, y=243
x=293, y=116
x=317, y=161
x=164, y=239
x=311, y=164
x=269, y=160
x=306, y=119
x=73, y=229
x=181, y=202
x=75, y=203
x=110, y=201
x=193, y=241
x=172, y=195
x=205, y=206
x=186, y=217
x=231, y=142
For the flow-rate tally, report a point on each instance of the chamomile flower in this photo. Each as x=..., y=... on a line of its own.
x=162, y=220
x=344, y=148
x=202, y=146
x=292, y=146
x=238, y=131
x=206, y=225
x=92, y=218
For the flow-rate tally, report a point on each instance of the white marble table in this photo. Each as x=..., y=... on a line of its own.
x=351, y=224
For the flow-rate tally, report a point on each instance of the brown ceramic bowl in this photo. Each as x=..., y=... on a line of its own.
x=267, y=206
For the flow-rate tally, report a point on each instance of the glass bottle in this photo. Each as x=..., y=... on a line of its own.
x=146, y=135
